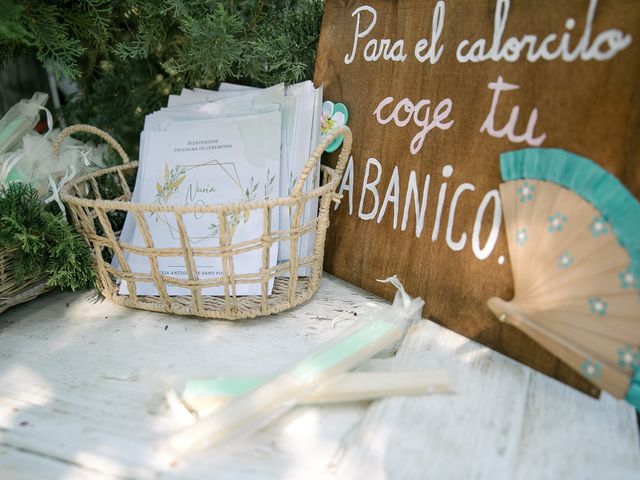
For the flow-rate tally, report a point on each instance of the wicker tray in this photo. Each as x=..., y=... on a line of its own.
x=90, y=212
x=13, y=292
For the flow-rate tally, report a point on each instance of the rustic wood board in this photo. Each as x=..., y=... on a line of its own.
x=521, y=425
x=589, y=107
x=81, y=398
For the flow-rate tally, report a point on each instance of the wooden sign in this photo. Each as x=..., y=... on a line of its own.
x=436, y=90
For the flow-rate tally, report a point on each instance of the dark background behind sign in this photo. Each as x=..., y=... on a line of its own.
x=588, y=107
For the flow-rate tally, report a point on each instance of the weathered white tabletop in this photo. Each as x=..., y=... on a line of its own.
x=81, y=397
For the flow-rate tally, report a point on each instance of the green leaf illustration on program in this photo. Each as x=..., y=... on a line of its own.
x=173, y=178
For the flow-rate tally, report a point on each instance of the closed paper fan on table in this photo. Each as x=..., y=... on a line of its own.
x=573, y=233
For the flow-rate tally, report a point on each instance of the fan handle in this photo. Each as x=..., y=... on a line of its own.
x=610, y=379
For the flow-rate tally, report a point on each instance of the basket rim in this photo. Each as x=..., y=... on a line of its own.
x=114, y=204
x=293, y=289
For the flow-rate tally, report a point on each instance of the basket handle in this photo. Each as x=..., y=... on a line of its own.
x=315, y=156
x=89, y=129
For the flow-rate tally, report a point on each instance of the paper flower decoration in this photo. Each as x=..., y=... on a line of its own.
x=333, y=115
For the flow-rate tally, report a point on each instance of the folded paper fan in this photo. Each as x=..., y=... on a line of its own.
x=573, y=233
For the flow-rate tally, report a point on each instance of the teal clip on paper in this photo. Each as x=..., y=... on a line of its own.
x=378, y=329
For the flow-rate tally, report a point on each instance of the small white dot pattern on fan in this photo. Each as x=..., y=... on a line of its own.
x=565, y=260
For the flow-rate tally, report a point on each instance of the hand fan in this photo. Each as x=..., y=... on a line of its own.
x=573, y=233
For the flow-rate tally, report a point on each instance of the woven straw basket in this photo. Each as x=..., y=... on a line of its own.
x=12, y=291
x=91, y=213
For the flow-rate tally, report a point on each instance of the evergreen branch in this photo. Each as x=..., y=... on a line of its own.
x=46, y=243
x=58, y=51
x=128, y=55
x=212, y=47
x=11, y=26
x=91, y=21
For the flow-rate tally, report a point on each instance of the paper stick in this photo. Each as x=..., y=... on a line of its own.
x=205, y=395
x=378, y=329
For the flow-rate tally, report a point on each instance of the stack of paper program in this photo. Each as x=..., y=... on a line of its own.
x=237, y=144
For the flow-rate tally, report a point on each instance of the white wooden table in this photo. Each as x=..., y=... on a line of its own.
x=81, y=397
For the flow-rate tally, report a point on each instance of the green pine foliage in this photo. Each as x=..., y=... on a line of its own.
x=47, y=243
x=128, y=55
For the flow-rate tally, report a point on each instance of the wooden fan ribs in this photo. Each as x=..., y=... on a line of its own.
x=574, y=290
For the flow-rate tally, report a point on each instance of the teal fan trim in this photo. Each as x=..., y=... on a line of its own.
x=605, y=192
x=633, y=394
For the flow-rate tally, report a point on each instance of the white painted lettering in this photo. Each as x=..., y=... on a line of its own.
x=361, y=33
x=420, y=207
x=433, y=52
x=371, y=187
x=456, y=245
x=347, y=184
x=483, y=252
x=604, y=46
x=447, y=171
x=392, y=196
